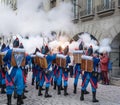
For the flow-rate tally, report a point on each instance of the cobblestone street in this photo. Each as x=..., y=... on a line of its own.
x=106, y=94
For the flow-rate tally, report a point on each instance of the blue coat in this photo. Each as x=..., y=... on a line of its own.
x=68, y=60
x=50, y=58
x=95, y=63
x=16, y=73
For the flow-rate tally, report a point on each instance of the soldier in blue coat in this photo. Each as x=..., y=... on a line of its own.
x=77, y=72
x=46, y=74
x=34, y=69
x=55, y=67
x=41, y=81
x=92, y=78
x=49, y=73
x=2, y=70
x=65, y=74
x=59, y=74
x=37, y=70
x=14, y=78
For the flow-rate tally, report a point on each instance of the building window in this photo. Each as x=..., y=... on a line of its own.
x=118, y=3
x=89, y=6
x=13, y=3
x=107, y=3
x=75, y=9
x=52, y=3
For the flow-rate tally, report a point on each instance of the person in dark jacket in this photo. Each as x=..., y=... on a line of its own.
x=90, y=50
x=81, y=45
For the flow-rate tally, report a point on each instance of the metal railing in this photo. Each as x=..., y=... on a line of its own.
x=87, y=12
x=105, y=7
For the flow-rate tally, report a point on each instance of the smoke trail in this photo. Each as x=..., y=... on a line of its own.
x=85, y=37
x=105, y=45
x=31, y=18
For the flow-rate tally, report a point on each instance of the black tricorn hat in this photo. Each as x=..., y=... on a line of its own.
x=46, y=49
x=16, y=42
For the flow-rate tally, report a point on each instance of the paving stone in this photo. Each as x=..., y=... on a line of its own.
x=106, y=94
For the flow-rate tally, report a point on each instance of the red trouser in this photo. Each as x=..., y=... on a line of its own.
x=105, y=77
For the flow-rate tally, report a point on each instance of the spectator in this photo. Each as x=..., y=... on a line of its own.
x=90, y=51
x=81, y=45
x=109, y=69
x=104, y=68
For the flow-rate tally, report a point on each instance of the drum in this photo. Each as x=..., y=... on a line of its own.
x=77, y=56
x=87, y=63
x=2, y=54
x=18, y=57
x=54, y=61
x=61, y=60
x=41, y=60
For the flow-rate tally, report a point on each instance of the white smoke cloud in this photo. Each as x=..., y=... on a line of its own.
x=105, y=45
x=8, y=21
x=61, y=41
x=74, y=45
x=31, y=43
x=85, y=37
x=30, y=18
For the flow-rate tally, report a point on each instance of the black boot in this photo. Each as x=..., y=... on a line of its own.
x=82, y=95
x=65, y=91
x=19, y=100
x=3, y=89
x=26, y=91
x=42, y=88
x=55, y=85
x=46, y=93
x=22, y=101
x=23, y=96
x=32, y=81
x=59, y=90
x=86, y=92
x=61, y=86
x=94, y=97
x=52, y=82
x=75, y=89
x=36, y=85
x=15, y=94
x=9, y=99
x=39, y=91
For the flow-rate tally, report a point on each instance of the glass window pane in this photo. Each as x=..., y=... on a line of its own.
x=89, y=6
